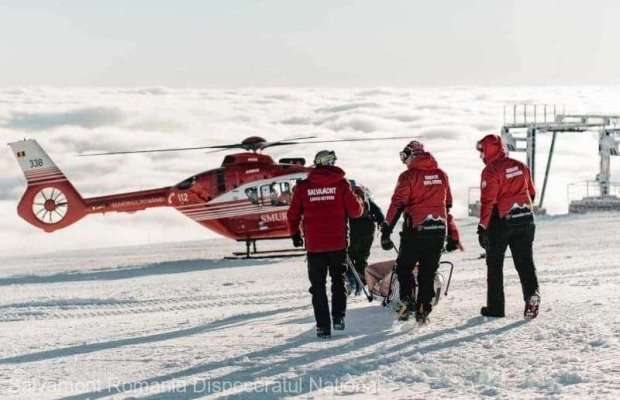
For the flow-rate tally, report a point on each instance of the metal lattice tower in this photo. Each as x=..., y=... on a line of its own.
x=523, y=122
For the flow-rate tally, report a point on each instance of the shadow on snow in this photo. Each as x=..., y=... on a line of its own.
x=363, y=335
x=162, y=268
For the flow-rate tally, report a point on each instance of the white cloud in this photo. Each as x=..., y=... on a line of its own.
x=84, y=117
x=448, y=120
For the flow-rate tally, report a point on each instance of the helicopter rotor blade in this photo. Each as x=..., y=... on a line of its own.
x=112, y=153
x=284, y=142
x=354, y=140
x=219, y=147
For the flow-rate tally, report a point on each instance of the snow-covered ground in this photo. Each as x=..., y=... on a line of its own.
x=176, y=321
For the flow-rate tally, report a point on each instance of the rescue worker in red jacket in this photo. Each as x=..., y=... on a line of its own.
x=321, y=204
x=506, y=219
x=423, y=195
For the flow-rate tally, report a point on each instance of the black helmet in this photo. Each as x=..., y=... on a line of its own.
x=414, y=148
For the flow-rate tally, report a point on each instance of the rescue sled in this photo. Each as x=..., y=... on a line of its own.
x=382, y=282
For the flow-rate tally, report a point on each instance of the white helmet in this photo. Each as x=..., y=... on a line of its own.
x=325, y=157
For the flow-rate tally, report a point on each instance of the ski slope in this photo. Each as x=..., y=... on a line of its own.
x=176, y=321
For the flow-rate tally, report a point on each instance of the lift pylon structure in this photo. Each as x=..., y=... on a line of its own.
x=523, y=122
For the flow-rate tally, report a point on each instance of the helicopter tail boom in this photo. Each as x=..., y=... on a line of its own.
x=50, y=201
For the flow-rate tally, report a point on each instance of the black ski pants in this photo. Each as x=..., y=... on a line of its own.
x=422, y=248
x=359, y=250
x=318, y=266
x=520, y=239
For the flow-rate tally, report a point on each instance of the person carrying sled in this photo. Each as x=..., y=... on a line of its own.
x=506, y=219
x=361, y=236
x=423, y=194
x=321, y=204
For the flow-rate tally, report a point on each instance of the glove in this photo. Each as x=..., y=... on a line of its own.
x=483, y=237
x=386, y=242
x=385, y=228
x=452, y=245
x=360, y=192
x=298, y=241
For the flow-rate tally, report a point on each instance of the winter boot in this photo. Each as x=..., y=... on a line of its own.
x=422, y=311
x=323, y=333
x=406, y=309
x=486, y=312
x=338, y=323
x=531, y=307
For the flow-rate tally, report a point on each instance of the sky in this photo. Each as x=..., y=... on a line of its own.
x=280, y=43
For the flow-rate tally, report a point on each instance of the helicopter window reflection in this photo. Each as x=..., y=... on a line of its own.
x=252, y=194
x=267, y=193
x=272, y=194
x=285, y=193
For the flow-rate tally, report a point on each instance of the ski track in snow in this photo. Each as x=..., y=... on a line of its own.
x=170, y=328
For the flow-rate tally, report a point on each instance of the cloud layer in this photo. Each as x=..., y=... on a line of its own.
x=447, y=120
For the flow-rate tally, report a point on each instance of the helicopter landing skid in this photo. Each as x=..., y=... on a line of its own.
x=252, y=253
x=240, y=255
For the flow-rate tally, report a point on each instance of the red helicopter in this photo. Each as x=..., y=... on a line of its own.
x=245, y=199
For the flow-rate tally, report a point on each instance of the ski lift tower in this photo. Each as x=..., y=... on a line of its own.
x=522, y=123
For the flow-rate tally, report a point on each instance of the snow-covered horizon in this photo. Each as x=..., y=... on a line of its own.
x=449, y=120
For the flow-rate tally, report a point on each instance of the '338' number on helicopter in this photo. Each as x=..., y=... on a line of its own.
x=36, y=163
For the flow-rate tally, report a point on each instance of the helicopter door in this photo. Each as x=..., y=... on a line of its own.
x=285, y=195
x=265, y=195
x=275, y=194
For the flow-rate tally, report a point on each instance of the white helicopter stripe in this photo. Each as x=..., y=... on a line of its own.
x=235, y=210
x=207, y=207
x=37, y=176
x=215, y=206
x=46, y=178
x=44, y=175
x=221, y=212
x=42, y=170
x=236, y=214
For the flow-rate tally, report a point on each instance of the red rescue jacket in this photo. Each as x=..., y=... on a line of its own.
x=423, y=193
x=325, y=200
x=506, y=184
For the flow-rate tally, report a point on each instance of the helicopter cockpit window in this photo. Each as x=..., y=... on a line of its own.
x=186, y=184
x=276, y=194
x=252, y=194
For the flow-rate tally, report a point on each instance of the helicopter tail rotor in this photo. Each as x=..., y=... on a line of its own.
x=50, y=201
